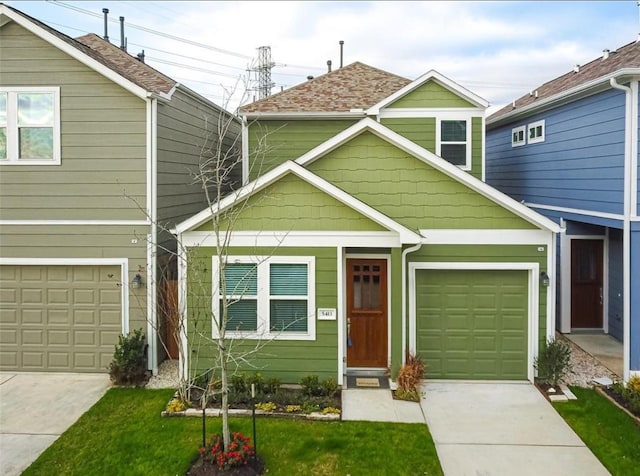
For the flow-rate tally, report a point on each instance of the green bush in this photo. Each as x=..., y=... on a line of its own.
x=129, y=364
x=329, y=387
x=272, y=385
x=311, y=385
x=630, y=393
x=554, y=362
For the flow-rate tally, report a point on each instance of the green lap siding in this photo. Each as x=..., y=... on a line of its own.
x=405, y=188
x=421, y=130
x=430, y=94
x=274, y=142
x=288, y=360
x=472, y=324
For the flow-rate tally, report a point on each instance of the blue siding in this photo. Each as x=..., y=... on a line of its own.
x=638, y=149
x=615, y=311
x=579, y=165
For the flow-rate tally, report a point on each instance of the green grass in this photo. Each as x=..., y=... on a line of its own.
x=124, y=434
x=610, y=433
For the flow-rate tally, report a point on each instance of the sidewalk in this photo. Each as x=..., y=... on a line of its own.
x=378, y=405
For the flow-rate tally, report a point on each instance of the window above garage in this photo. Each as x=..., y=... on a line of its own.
x=29, y=126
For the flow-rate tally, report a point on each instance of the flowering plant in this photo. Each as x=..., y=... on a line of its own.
x=237, y=454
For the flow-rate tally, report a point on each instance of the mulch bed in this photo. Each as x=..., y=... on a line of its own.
x=619, y=400
x=252, y=468
x=545, y=387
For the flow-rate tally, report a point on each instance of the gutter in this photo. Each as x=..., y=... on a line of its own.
x=626, y=233
x=404, y=297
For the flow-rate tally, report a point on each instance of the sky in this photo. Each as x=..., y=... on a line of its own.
x=499, y=50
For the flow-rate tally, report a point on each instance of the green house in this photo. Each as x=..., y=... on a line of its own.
x=364, y=232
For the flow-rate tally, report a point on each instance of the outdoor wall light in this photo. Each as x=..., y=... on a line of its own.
x=544, y=279
x=136, y=282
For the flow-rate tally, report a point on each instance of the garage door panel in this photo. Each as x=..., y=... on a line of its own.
x=487, y=339
x=59, y=318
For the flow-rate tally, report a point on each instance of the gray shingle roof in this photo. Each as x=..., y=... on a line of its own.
x=352, y=87
x=627, y=56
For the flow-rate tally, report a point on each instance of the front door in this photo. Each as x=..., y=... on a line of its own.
x=586, y=284
x=366, y=313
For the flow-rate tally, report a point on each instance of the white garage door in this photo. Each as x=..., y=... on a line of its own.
x=59, y=318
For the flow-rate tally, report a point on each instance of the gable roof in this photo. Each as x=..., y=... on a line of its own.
x=289, y=167
x=355, y=86
x=438, y=163
x=431, y=75
x=596, y=72
x=100, y=55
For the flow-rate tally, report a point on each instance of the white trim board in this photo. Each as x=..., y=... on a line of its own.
x=533, y=299
x=122, y=262
x=75, y=222
x=485, y=237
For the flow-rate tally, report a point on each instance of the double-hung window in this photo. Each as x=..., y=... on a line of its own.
x=454, y=142
x=29, y=126
x=518, y=137
x=536, y=132
x=267, y=297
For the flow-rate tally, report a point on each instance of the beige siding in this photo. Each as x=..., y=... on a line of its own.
x=187, y=129
x=103, y=137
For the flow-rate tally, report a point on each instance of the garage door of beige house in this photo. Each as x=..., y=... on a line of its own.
x=59, y=318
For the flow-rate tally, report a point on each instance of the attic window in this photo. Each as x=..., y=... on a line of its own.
x=518, y=136
x=454, y=143
x=536, y=132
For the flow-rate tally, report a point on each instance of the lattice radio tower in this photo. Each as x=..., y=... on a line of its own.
x=262, y=69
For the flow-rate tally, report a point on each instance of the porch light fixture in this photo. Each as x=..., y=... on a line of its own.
x=136, y=282
x=544, y=279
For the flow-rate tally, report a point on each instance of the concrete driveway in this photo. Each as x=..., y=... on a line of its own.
x=492, y=429
x=36, y=408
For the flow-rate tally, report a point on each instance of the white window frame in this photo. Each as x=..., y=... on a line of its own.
x=535, y=125
x=263, y=330
x=12, y=126
x=519, y=130
x=468, y=164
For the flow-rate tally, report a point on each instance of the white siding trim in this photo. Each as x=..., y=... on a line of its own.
x=577, y=211
x=183, y=354
x=152, y=238
x=448, y=113
x=342, y=320
x=74, y=222
x=484, y=237
x=245, y=151
x=124, y=274
x=533, y=288
x=482, y=146
x=372, y=239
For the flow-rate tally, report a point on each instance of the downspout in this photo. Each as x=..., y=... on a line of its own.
x=404, y=297
x=626, y=232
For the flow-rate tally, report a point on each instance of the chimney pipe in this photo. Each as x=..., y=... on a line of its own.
x=605, y=54
x=106, y=14
x=123, y=41
x=141, y=56
x=329, y=66
x=576, y=68
x=341, y=50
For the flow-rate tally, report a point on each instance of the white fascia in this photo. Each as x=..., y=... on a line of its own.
x=434, y=161
x=74, y=222
x=438, y=78
x=74, y=53
x=485, y=237
x=245, y=151
x=448, y=113
x=357, y=114
x=577, y=211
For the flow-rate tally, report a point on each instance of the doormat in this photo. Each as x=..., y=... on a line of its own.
x=367, y=382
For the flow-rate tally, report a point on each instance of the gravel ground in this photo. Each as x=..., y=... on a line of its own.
x=167, y=376
x=585, y=369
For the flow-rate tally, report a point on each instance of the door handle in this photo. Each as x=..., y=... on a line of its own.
x=601, y=295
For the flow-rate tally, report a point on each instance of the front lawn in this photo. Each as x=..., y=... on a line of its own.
x=609, y=432
x=124, y=434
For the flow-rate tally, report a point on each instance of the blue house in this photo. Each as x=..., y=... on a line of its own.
x=569, y=150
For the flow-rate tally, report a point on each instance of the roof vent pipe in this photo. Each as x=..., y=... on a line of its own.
x=341, y=51
x=536, y=94
x=106, y=19
x=576, y=68
x=328, y=66
x=123, y=40
x=605, y=54
x=141, y=56
x=309, y=77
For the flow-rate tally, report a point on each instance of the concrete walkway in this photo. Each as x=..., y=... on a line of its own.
x=378, y=405
x=36, y=408
x=494, y=429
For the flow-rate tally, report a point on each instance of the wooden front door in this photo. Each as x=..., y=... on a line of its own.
x=367, y=313
x=586, y=284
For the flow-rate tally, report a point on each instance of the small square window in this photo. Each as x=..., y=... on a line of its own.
x=536, y=132
x=518, y=137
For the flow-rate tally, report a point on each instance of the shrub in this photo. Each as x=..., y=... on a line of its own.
x=237, y=454
x=554, y=362
x=266, y=406
x=238, y=384
x=257, y=380
x=272, y=385
x=293, y=408
x=331, y=411
x=630, y=393
x=129, y=364
x=311, y=385
x=329, y=387
x=409, y=377
x=176, y=405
